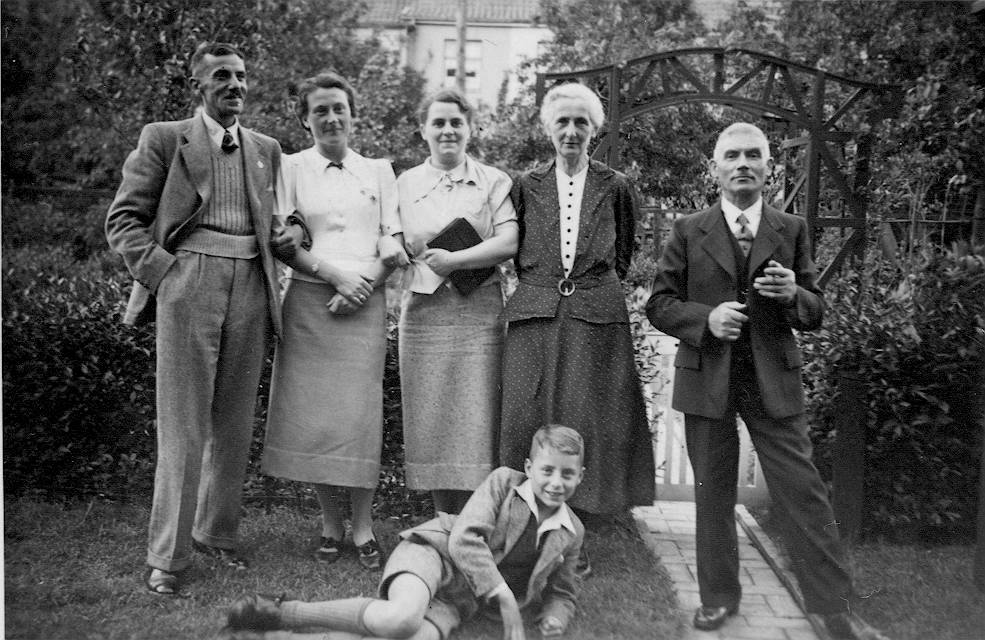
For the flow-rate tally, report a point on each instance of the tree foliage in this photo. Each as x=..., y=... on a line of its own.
x=123, y=63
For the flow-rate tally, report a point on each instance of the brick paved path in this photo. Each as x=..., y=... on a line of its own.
x=767, y=612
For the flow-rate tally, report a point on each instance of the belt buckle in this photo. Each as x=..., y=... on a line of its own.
x=565, y=287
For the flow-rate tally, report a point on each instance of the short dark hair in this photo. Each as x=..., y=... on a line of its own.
x=212, y=49
x=451, y=96
x=560, y=438
x=324, y=80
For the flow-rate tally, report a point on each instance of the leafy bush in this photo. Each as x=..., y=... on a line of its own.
x=916, y=334
x=77, y=384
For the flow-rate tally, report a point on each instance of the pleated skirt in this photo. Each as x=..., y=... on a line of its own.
x=325, y=417
x=450, y=369
x=582, y=375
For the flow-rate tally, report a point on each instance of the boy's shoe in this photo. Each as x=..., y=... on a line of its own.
x=256, y=613
x=226, y=557
x=370, y=555
x=329, y=551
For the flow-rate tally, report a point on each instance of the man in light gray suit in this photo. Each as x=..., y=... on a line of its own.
x=192, y=220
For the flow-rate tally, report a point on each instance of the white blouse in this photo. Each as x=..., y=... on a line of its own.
x=431, y=198
x=346, y=209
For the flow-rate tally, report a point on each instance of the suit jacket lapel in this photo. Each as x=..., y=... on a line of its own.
x=715, y=242
x=254, y=172
x=768, y=238
x=555, y=542
x=544, y=186
x=197, y=153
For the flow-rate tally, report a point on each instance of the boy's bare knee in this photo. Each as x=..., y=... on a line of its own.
x=399, y=624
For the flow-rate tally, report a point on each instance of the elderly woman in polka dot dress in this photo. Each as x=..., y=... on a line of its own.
x=569, y=354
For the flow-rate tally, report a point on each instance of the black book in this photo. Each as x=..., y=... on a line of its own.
x=458, y=235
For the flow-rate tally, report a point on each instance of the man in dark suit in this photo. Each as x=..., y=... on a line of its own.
x=732, y=283
x=192, y=220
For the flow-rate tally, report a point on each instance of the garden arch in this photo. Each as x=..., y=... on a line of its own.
x=830, y=121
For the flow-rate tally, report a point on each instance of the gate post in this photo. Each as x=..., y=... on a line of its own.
x=848, y=456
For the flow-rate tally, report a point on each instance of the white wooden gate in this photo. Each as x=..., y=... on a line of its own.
x=675, y=478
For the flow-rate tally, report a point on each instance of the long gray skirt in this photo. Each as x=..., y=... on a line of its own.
x=450, y=367
x=325, y=419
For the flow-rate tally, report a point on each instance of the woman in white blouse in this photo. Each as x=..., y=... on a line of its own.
x=325, y=419
x=450, y=342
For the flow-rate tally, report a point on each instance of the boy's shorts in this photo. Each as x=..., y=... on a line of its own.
x=451, y=597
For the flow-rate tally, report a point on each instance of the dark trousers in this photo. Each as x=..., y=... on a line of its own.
x=784, y=449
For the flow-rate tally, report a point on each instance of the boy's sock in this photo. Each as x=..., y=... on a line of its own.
x=340, y=615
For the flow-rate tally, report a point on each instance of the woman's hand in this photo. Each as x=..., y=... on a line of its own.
x=354, y=287
x=392, y=252
x=440, y=261
x=339, y=306
x=509, y=611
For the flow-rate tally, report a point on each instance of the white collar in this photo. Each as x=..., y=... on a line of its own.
x=349, y=161
x=578, y=178
x=753, y=214
x=558, y=519
x=216, y=130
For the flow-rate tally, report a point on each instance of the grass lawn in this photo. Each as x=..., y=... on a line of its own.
x=913, y=592
x=74, y=571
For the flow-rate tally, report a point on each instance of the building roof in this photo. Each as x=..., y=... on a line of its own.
x=400, y=12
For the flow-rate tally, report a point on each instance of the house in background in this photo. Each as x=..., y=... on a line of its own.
x=501, y=34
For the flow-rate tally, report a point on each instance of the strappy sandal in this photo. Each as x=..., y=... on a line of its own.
x=329, y=551
x=370, y=555
x=163, y=583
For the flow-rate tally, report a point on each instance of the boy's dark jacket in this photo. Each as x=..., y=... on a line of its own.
x=488, y=527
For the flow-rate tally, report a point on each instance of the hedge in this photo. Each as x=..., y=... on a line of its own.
x=915, y=334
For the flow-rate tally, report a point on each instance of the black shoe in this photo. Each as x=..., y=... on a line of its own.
x=329, y=551
x=226, y=557
x=711, y=618
x=255, y=613
x=848, y=626
x=370, y=555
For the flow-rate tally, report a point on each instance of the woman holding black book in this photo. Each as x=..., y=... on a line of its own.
x=569, y=353
x=458, y=224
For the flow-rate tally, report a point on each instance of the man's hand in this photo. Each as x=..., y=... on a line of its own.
x=354, y=287
x=392, y=252
x=550, y=627
x=509, y=611
x=777, y=282
x=440, y=261
x=285, y=241
x=725, y=321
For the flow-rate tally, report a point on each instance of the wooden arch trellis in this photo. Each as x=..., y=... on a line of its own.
x=830, y=114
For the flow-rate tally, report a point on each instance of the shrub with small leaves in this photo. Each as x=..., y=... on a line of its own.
x=915, y=333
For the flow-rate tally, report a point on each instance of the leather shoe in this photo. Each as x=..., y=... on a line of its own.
x=227, y=557
x=256, y=613
x=711, y=618
x=849, y=626
x=161, y=582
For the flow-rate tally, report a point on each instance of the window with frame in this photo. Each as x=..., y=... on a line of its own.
x=473, y=55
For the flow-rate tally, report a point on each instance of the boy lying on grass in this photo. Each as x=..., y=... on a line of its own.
x=514, y=547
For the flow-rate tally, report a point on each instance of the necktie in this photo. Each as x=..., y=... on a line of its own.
x=335, y=165
x=744, y=236
x=228, y=144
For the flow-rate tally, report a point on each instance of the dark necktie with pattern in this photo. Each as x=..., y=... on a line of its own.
x=228, y=144
x=744, y=236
